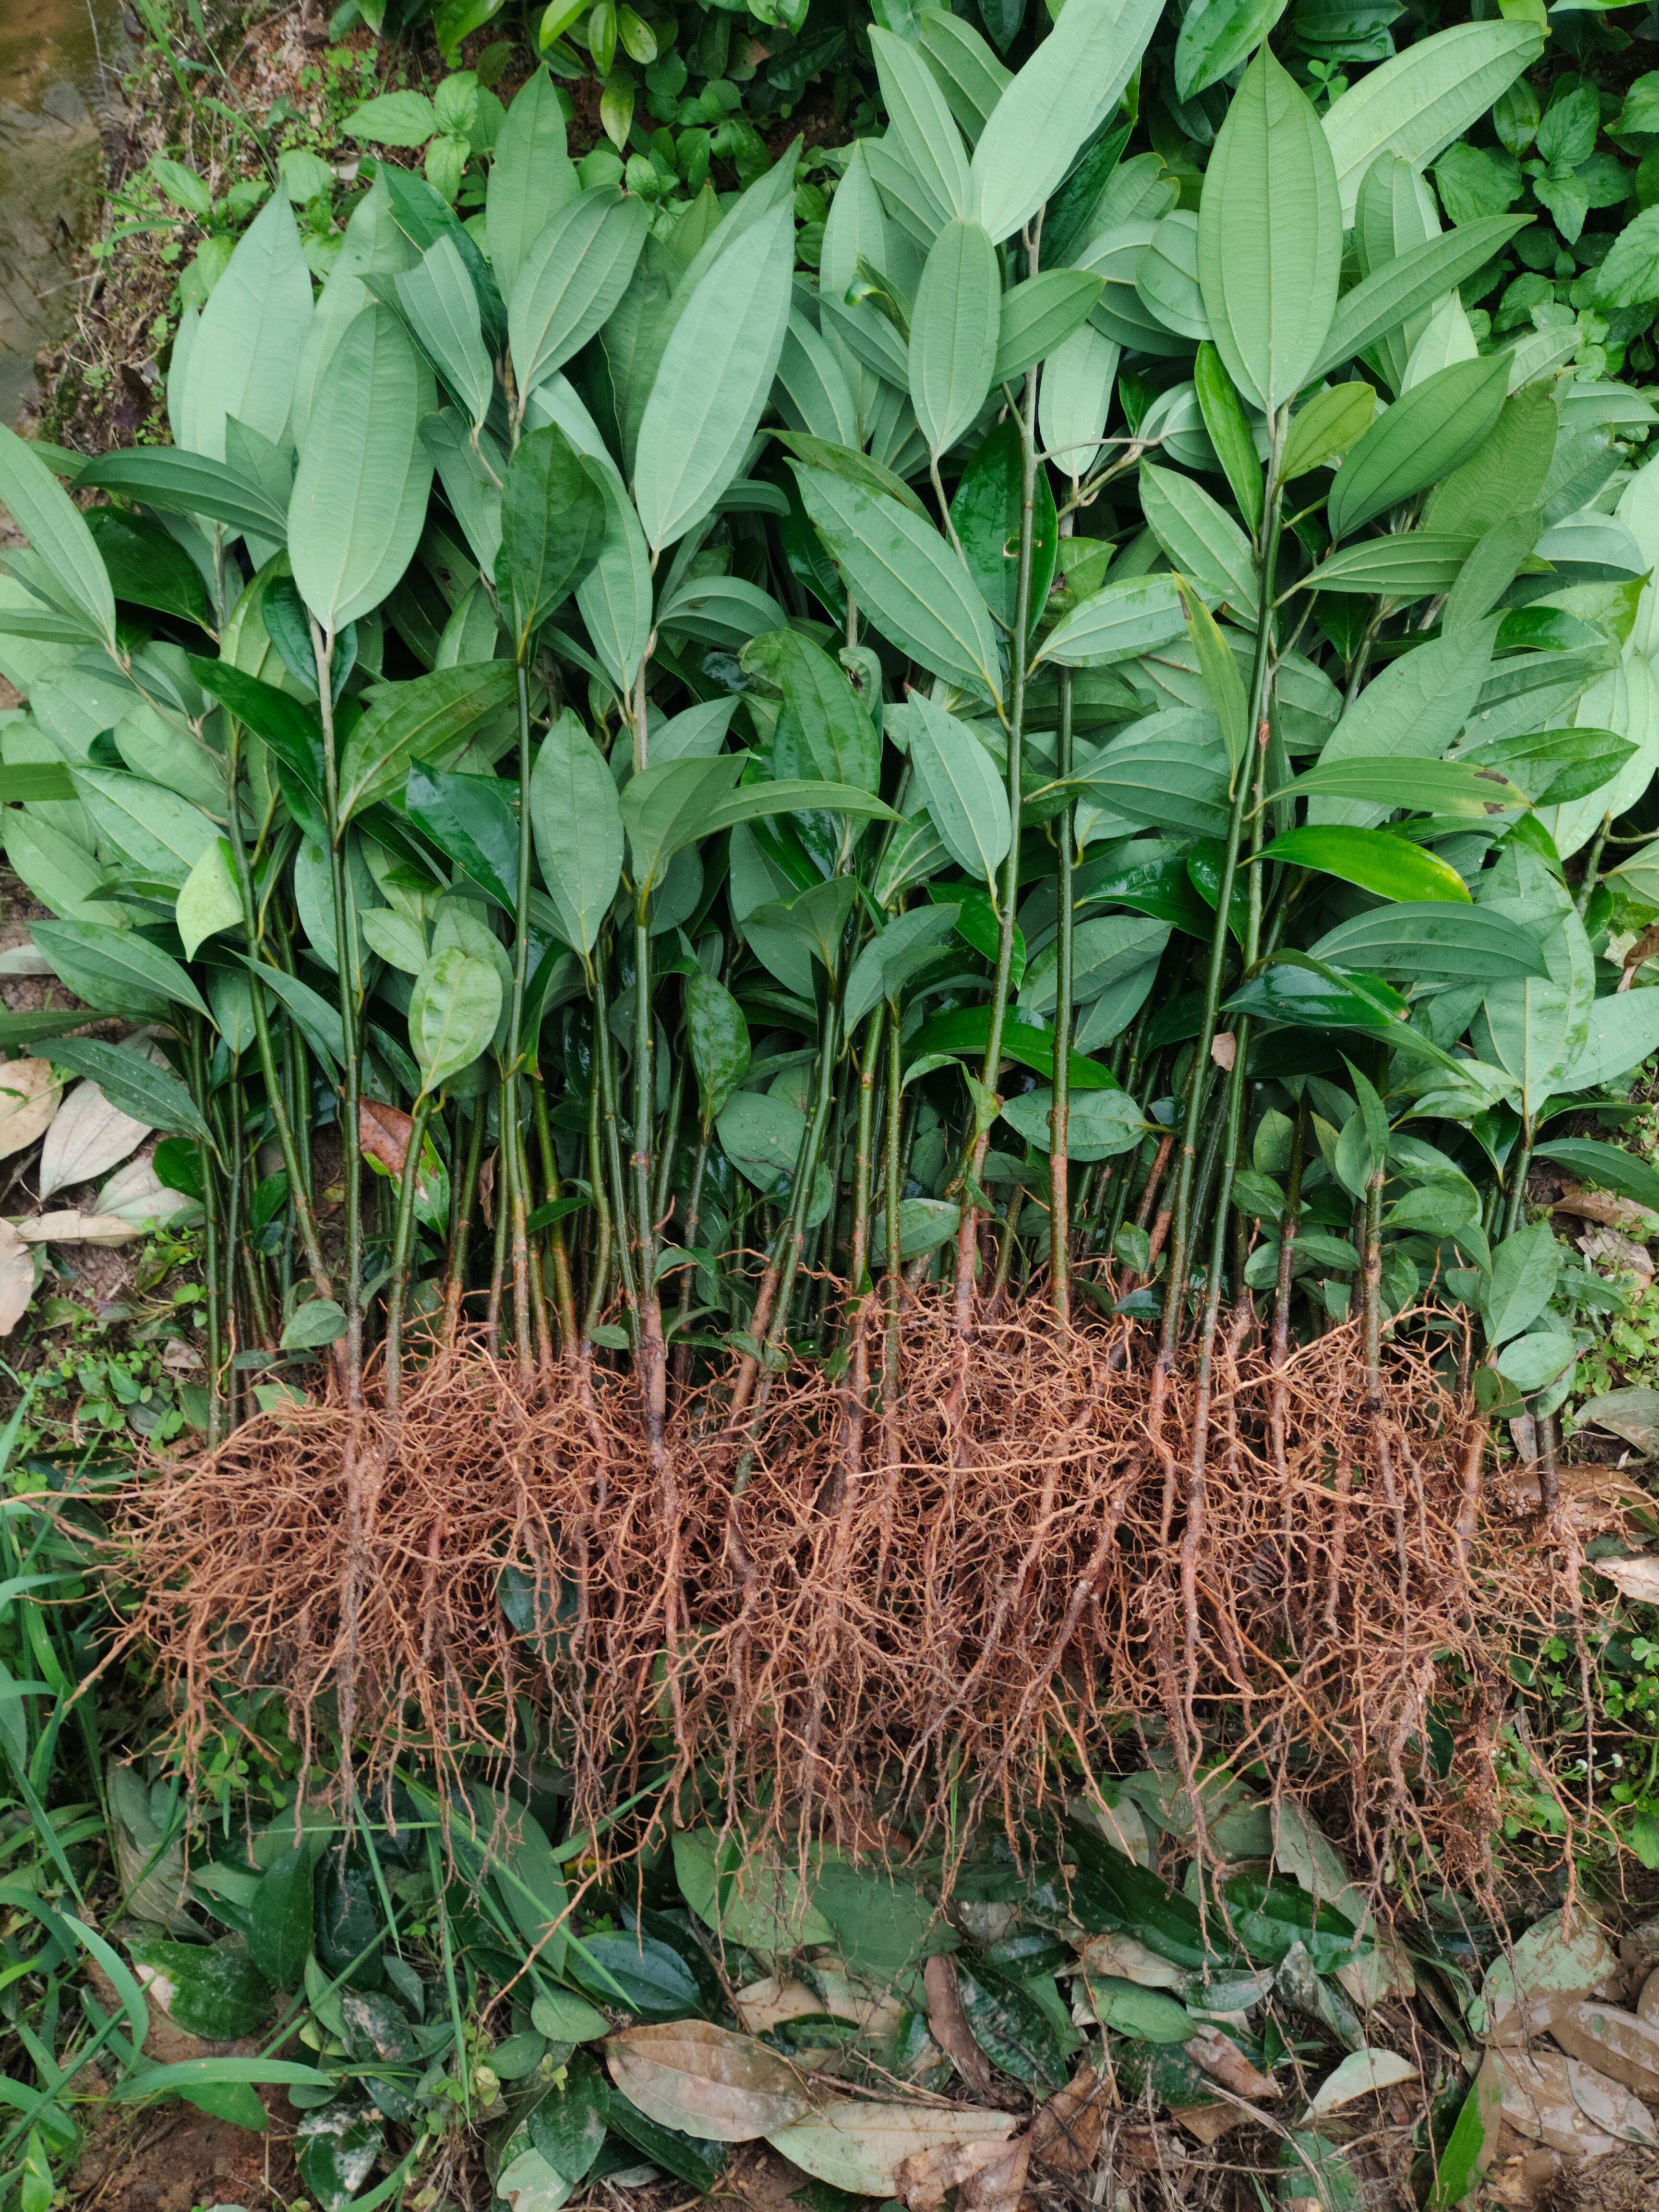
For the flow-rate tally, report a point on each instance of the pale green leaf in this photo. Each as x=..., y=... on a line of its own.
x=954, y=331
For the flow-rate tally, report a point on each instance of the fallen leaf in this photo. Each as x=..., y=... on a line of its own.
x=947, y=2022
x=87, y=1137
x=1610, y=1210
x=860, y=2146
x=1129, y=1961
x=1360, y=2073
x=1612, y=1251
x=1592, y=1498
x=29, y=1100
x=1065, y=2134
x=1207, y=2124
x=16, y=1278
x=1631, y=1414
x=1223, y=1049
x=1636, y=1576
x=769, y=2003
x=137, y=1194
x=1647, y=2005
x=1224, y=2062
x=987, y=2177
x=705, y=2080
x=1537, y=2099
x=1120, y=1824
x=1618, y=2043
x=1609, y=2104
x=73, y=1227
x=1556, y=1958
x=384, y=1132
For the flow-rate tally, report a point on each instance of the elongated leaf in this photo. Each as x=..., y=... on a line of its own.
x=178, y=482
x=1305, y=993
x=1037, y=318
x=56, y=534
x=1216, y=36
x=1269, y=237
x=1230, y=433
x=1200, y=538
x=1416, y=104
x=1622, y=1031
x=134, y=1083
x=1407, y=284
x=963, y=791
x=113, y=967
x=718, y=1037
x=1430, y=787
x=531, y=178
x=1218, y=665
x=245, y=353
x=1170, y=770
x=1408, y=565
x=705, y=2080
x=360, y=496
x=965, y=1034
x=1416, y=940
x=914, y=587
x=1438, y=424
x=553, y=523
x=429, y=719
x=578, y=829
x=824, y=727
x=924, y=135
x=1055, y=103
x=316, y=1020
x=442, y=308
x=1127, y=617
x=472, y=821
x=1390, y=866
x=162, y=836
x=570, y=279
x=1609, y=1167
x=954, y=330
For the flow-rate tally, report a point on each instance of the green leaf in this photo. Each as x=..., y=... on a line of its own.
x=1038, y=316
x=1410, y=564
x=211, y=1991
x=134, y=1083
x=884, y=1928
x=920, y=130
x=1532, y=1363
x=316, y=1323
x=148, y=567
x=359, y=502
x=1148, y=2015
x=210, y=900
x=453, y=1014
x=713, y=380
x=115, y=967
x=280, y=1924
x=1170, y=770
x=1524, y=1268
x=1099, y=1124
x=655, y=1981
x=442, y=308
x=924, y=1223
x=1067, y=88
x=521, y=1864
x=531, y=178
x=578, y=830
x=396, y=118
x=698, y=2165
x=570, y=279
x=185, y=2073
x=161, y=836
x=961, y=787
x=954, y=331
x=1305, y=993
x=1269, y=237
x=31, y=782
x=244, y=355
x=176, y=482
x=824, y=726
x=1622, y=1030
x=58, y=535
x=1609, y=1167
x=553, y=522
x=1460, y=2162
x=1230, y=433
x=1555, y=765
x=430, y=718
x=1216, y=36
x=984, y=513
x=718, y=1037
x=1416, y=104
x=1218, y=665
x=1424, y=436
x=892, y=955
x=1127, y=617
x=472, y=822
x=1417, y=941
x=1411, y=282
x=965, y=1033
x=317, y=1023
x=912, y=585
x=1431, y=786
x=1323, y=430
x=1203, y=542
x=1009, y=2026
x=1390, y=866
x=1629, y=276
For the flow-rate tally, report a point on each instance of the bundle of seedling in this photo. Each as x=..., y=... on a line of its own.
x=860, y=966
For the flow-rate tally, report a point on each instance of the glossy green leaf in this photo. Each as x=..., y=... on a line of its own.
x=1524, y=1268
x=213, y=1990
x=1305, y=993
x=280, y=1924
x=1230, y=433
x=149, y=567
x=1554, y=766
x=1216, y=36
x=1390, y=866
x=965, y=1033
x=718, y=1037
x=553, y=523
x=984, y=513
x=472, y=822
x=1269, y=237
x=176, y=482
x=1224, y=682
x=825, y=729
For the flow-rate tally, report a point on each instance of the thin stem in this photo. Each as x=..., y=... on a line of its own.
x=212, y=1281
x=402, y=1244
x=1060, y=1194
x=345, y=944
x=1592, y=867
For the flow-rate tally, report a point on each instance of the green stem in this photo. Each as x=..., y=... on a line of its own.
x=521, y=1289
x=213, y=1284
x=402, y=1244
x=1592, y=867
x=1060, y=1193
x=552, y=1190
x=346, y=936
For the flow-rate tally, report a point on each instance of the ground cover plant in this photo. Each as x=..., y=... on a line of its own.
x=955, y=836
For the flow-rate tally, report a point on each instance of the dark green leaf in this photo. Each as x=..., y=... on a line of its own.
x=280, y=1925
x=178, y=482
x=471, y=821
x=148, y=566
x=134, y=1083
x=213, y=1990
x=553, y=517
x=985, y=512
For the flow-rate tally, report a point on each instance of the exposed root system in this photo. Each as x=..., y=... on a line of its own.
x=886, y=1605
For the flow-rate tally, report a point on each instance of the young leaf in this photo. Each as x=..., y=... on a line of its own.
x=963, y=791
x=1424, y=436
x=1230, y=433
x=1218, y=667
x=429, y=719
x=1269, y=237
x=453, y=1014
x=210, y=900
x=1390, y=866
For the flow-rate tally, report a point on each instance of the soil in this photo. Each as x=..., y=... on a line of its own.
x=173, y=2158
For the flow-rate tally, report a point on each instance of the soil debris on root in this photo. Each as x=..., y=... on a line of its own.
x=982, y=1588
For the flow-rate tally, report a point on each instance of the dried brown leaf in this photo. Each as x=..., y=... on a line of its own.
x=1636, y=1576
x=16, y=1278
x=987, y=2177
x=29, y=1100
x=1620, y=2043
x=706, y=2081
x=947, y=2021
x=1065, y=2134
x=383, y=1133
x=1224, y=2062
x=1611, y=1211
x=72, y=1227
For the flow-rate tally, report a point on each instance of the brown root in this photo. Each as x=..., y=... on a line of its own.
x=980, y=1609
